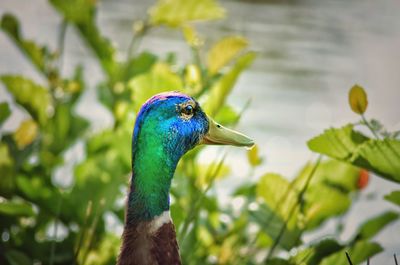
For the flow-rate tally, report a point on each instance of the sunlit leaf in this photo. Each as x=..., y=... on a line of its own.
x=332, y=173
x=159, y=79
x=221, y=89
x=227, y=115
x=33, y=97
x=393, y=197
x=277, y=193
x=174, y=13
x=374, y=225
x=339, y=143
x=191, y=36
x=14, y=208
x=360, y=252
x=323, y=202
x=383, y=157
x=4, y=112
x=253, y=156
x=379, y=156
x=224, y=51
x=26, y=133
x=358, y=99
x=316, y=252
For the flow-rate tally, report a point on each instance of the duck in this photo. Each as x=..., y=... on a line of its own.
x=167, y=126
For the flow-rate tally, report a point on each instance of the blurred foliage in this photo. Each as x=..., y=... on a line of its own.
x=57, y=211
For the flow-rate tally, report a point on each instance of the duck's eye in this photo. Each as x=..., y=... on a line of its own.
x=187, y=110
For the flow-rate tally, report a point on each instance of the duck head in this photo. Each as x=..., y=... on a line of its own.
x=167, y=126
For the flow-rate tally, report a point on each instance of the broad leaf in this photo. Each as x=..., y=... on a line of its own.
x=360, y=252
x=383, y=157
x=224, y=51
x=14, y=208
x=221, y=88
x=333, y=173
x=33, y=97
x=379, y=156
x=323, y=202
x=373, y=226
x=315, y=253
x=175, y=13
x=337, y=143
x=279, y=195
x=393, y=197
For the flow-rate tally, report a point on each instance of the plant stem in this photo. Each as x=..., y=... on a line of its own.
x=369, y=126
x=61, y=43
x=348, y=258
x=200, y=199
x=300, y=198
x=395, y=259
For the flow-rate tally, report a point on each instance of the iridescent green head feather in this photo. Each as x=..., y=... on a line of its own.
x=167, y=126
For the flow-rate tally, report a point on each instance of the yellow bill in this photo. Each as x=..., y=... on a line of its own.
x=219, y=135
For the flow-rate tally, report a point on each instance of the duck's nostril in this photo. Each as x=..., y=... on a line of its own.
x=218, y=126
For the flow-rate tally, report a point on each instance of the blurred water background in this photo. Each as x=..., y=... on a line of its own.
x=310, y=53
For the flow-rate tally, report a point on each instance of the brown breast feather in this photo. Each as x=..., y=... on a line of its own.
x=141, y=247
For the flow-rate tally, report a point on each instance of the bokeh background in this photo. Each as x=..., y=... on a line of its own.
x=309, y=53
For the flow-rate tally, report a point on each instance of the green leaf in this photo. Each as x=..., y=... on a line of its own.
x=33, y=97
x=333, y=173
x=175, y=13
x=393, y=197
x=222, y=87
x=277, y=193
x=373, y=226
x=227, y=115
x=358, y=99
x=379, y=156
x=337, y=143
x=315, y=253
x=37, y=54
x=322, y=203
x=4, y=112
x=360, y=252
x=383, y=157
x=159, y=79
x=14, y=208
x=224, y=51
x=15, y=257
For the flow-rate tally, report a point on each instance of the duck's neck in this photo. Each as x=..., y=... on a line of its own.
x=149, y=232
x=153, y=166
